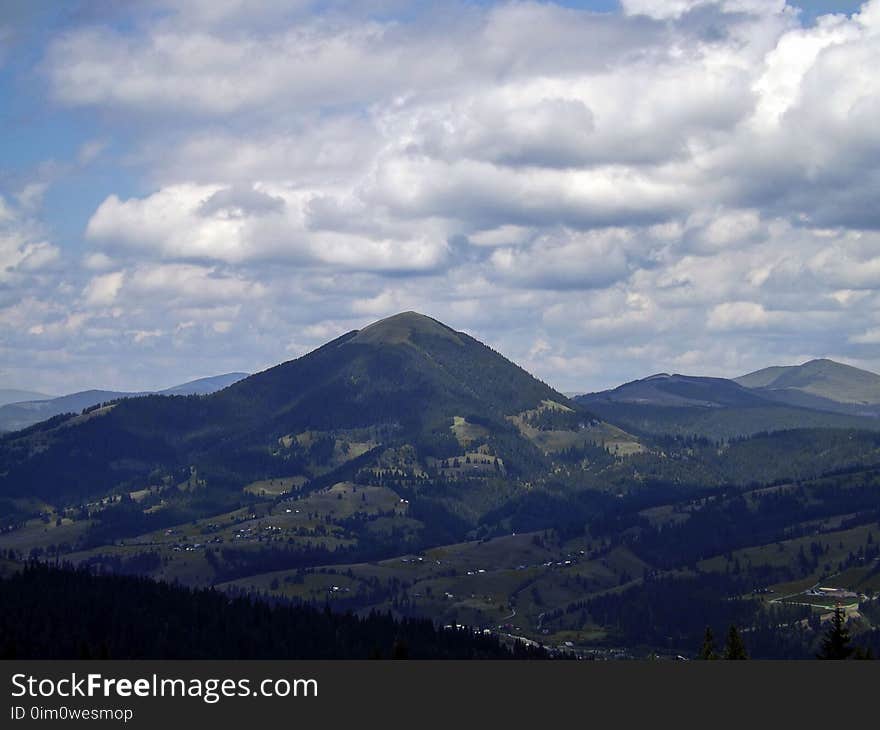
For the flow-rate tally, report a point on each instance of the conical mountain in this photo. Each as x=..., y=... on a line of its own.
x=402, y=380
x=408, y=368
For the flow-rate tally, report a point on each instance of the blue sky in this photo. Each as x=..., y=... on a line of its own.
x=600, y=190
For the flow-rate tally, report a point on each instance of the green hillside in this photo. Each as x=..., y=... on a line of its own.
x=406, y=468
x=403, y=380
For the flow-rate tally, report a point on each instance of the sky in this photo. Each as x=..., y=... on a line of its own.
x=599, y=190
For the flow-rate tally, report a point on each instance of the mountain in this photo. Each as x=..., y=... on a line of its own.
x=15, y=396
x=717, y=407
x=408, y=469
x=407, y=382
x=25, y=412
x=408, y=370
x=821, y=384
x=204, y=386
x=681, y=390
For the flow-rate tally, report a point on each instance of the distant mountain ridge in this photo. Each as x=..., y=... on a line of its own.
x=204, y=386
x=683, y=390
x=822, y=384
x=819, y=393
x=20, y=414
x=9, y=395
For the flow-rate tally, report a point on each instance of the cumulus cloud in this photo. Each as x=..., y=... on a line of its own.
x=686, y=184
x=738, y=315
x=23, y=250
x=566, y=261
x=233, y=226
x=240, y=202
x=90, y=151
x=102, y=290
x=189, y=284
x=869, y=337
x=671, y=9
x=206, y=73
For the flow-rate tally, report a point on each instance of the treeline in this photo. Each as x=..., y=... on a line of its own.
x=763, y=458
x=673, y=612
x=735, y=518
x=556, y=419
x=65, y=613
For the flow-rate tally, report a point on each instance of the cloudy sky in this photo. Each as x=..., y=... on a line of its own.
x=599, y=189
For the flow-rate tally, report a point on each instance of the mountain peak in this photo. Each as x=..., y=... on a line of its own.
x=400, y=329
x=677, y=390
x=820, y=377
x=826, y=363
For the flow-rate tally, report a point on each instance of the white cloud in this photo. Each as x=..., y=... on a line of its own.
x=102, y=290
x=506, y=235
x=90, y=151
x=868, y=337
x=214, y=223
x=167, y=220
x=688, y=184
x=671, y=9
x=566, y=261
x=709, y=231
x=30, y=197
x=203, y=72
x=97, y=261
x=186, y=284
x=23, y=251
x=139, y=336
x=738, y=316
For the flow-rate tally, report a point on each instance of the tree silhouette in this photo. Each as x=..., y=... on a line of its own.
x=708, y=649
x=836, y=643
x=735, y=649
x=90, y=616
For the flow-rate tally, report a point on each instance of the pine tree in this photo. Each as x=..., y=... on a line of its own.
x=735, y=649
x=708, y=649
x=836, y=643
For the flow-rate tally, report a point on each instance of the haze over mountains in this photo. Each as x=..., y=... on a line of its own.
x=8, y=395
x=30, y=408
x=413, y=372
x=819, y=393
